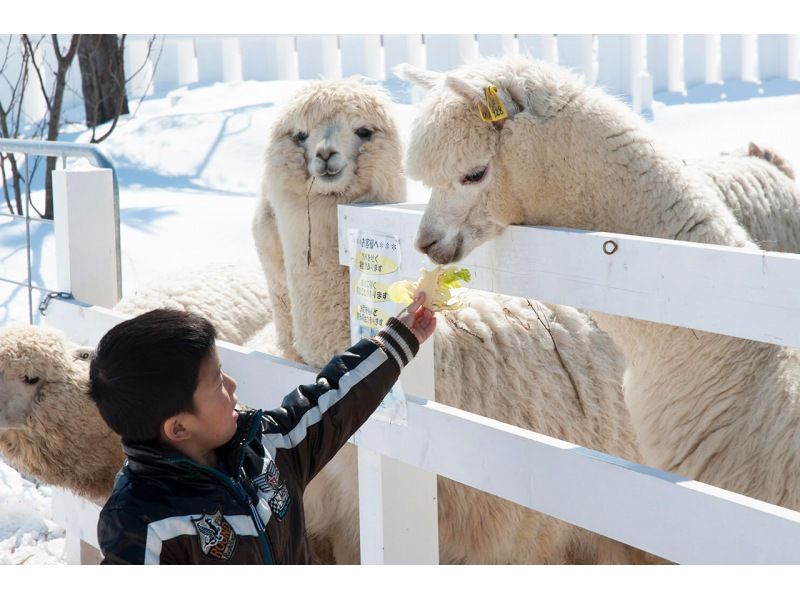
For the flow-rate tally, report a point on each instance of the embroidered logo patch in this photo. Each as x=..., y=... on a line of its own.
x=275, y=491
x=217, y=538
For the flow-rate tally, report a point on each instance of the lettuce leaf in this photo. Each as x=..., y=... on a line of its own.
x=437, y=284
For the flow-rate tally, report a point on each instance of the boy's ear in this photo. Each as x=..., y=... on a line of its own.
x=174, y=429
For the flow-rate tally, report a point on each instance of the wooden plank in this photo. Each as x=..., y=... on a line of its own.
x=678, y=519
x=398, y=512
x=739, y=292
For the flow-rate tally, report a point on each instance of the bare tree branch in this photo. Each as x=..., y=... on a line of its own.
x=32, y=53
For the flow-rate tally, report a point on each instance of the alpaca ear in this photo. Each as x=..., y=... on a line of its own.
x=475, y=94
x=420, y=77
x=83, y=354
x=470, y=91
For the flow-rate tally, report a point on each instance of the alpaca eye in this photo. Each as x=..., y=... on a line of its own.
x=473, y=177
x=31, y=380
x=364, y=133
x=301, y=136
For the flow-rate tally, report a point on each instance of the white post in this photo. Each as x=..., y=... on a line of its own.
x=288, y=62
x=397, y=511
x=187, y=62
x=140, y=67
x=510, y=44
x=231, y=60
x=675, y=63
x=374, y=58
x=87, y=235
x=398, y=504
x=713, y=59
x=417, y=56
x=549, y=47
x=793, y=57
x=467, y=47
x=331, y=57
x=641, y=81
x=749, y=57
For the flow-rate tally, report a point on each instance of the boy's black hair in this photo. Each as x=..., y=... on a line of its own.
x=145, y=370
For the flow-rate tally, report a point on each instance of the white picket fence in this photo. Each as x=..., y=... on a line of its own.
x=706, y=287
x=633, y=66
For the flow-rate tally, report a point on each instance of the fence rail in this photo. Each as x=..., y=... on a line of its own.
x=632, y=66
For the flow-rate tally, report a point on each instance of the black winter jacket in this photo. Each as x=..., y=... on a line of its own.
x=167, y=509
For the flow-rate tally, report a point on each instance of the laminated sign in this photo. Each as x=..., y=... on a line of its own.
x=374, y=265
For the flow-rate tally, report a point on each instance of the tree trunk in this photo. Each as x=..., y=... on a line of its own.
x=102, y=78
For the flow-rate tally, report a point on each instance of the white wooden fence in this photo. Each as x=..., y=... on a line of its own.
x=705, y=287
x=632, y=66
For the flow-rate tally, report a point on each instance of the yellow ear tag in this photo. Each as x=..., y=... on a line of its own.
x=495, y=109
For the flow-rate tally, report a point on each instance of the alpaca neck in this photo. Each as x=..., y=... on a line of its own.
x=600, y=169
x=318, y=286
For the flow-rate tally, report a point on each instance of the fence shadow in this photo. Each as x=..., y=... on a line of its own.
x=729, y=91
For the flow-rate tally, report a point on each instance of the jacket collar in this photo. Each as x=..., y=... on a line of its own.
x=152, y=457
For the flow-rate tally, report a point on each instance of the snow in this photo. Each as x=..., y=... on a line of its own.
x=189, y=166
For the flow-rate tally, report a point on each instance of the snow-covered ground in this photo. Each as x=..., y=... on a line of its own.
x=189, y=166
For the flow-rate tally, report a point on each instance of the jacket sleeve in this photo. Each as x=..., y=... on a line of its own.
x=316, y=420
x=123, y=540
x=122, y=537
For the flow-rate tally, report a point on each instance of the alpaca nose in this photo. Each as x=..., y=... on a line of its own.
x=425, y=245
x=326, y=153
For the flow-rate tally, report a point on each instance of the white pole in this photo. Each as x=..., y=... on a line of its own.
x=331, y=57
x=87, y=235
x=231, y=60
x=549, y=48
x=374, y=58
x=288, y=63
x=713, y=60
x=467, y=48
x=417, y=55
x=749, y=57
x=793, y=58
x=675, y=63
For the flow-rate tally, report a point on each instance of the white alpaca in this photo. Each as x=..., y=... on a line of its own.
x=714, y=408
x=49, y=427
x=336, y=143
x=759, y=187
x=233, y=297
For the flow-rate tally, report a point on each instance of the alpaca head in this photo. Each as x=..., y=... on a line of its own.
x=337, y=141
x=465, y=160
x=32, y=361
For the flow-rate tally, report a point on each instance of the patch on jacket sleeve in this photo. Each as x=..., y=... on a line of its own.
x=275, y=491
x=217, y=538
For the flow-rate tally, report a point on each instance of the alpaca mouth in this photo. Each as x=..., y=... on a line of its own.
x=331, y=176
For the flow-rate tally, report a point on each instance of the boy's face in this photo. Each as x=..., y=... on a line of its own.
x=214, y=421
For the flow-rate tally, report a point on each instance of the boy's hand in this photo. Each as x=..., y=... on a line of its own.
x=419, y=320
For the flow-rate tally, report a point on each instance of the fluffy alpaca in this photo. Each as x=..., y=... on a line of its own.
x=224, y=293
x=49, y=428
x=759, y=187
x=710, y=407
x=495, y=357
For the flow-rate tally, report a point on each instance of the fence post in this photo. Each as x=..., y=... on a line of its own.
x=87, y=235
x=231, y=60
x=288, y=63
x=793, y=57
x=331, y=57
x=398, y=504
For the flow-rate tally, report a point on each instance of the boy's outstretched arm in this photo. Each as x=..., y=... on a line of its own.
x=315, y=420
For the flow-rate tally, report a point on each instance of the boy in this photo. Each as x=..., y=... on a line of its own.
x=204, y=483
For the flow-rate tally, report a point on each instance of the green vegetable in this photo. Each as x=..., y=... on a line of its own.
x=437, y=284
